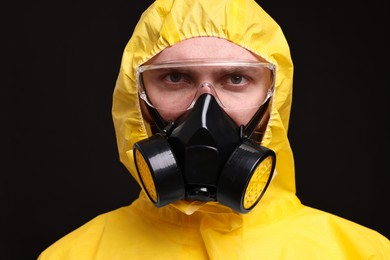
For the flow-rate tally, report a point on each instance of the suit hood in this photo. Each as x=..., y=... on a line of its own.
x=242, y=22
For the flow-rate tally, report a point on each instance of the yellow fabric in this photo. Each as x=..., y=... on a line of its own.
x=279, y=227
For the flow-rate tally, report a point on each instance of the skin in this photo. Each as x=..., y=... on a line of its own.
x=209, y=48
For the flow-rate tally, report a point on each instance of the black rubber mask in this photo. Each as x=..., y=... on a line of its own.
x=205, y=157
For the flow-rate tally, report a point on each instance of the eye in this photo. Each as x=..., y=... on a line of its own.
x=236, y=79
x=174, y=77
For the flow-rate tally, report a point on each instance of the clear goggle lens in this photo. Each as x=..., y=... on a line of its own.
x=176, y=86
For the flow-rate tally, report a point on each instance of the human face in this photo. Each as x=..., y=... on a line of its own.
x=210, y=48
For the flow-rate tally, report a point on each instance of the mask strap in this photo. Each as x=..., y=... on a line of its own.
x=163, y=128
x=250, y=127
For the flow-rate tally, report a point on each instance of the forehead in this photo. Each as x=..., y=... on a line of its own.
x=204, y=48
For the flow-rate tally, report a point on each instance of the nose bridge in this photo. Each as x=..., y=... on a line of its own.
x=207, y=82
x=206, y=87
x=205, y=77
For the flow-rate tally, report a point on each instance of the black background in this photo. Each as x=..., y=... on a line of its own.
x=59, y=162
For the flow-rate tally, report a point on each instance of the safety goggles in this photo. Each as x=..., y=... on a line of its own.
x=176, y=86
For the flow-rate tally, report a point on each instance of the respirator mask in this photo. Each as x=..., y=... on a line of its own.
x=203, y=154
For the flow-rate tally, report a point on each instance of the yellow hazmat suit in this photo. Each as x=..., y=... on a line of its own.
x=279, y=227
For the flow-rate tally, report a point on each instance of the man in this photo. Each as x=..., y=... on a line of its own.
x=201, y=111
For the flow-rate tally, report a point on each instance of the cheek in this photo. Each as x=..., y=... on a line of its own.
x=169, y=115
x=145, y=113
x=165, y=114
x=242, y=117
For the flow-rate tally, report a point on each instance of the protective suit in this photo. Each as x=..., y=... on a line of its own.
x=279, y=227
